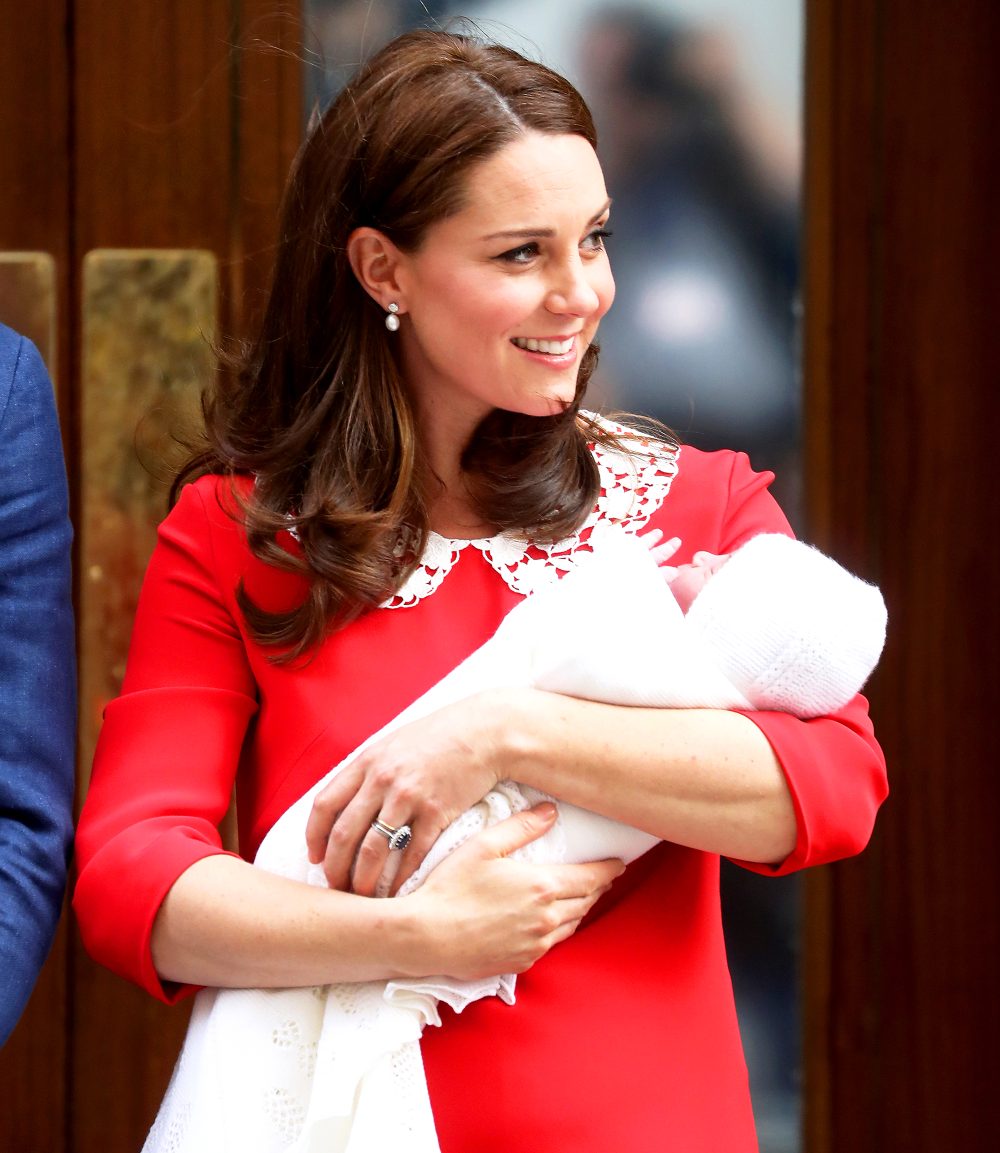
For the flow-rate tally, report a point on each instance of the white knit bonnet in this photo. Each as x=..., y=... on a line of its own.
x=791, y=628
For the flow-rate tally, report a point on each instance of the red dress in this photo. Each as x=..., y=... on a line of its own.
x=623, y=1038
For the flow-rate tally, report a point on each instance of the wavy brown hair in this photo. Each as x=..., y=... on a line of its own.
x=315, y=407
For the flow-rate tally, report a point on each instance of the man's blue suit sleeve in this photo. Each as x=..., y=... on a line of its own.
x=37, y=673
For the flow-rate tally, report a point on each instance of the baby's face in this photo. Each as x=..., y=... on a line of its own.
x=692, y=578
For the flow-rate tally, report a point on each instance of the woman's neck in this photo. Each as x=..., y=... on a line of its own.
x=451, y=511
x=452, y=514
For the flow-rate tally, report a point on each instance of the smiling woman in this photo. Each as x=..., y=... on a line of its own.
x=497, y=318
x=373, y=500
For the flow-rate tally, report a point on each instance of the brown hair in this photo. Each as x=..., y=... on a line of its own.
x=316, y=408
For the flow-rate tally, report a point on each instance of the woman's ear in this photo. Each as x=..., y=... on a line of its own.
x=375, y=261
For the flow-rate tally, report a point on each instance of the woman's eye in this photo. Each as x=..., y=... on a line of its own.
x=522, y=255
x=595, y=240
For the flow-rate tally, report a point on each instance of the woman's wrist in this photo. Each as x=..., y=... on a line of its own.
x=705, y=778
x=497, y=733
x=411, y=946
x=514, y=730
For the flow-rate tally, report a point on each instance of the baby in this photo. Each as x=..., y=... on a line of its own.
x=790, y=627
x=687, y=580
x=774, y=625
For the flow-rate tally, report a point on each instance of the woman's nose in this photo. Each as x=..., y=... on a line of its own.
x=572, y=292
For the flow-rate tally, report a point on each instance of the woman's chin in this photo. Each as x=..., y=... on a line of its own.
x=553, y=403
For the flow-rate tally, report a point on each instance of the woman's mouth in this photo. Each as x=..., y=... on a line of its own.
x=551, y=347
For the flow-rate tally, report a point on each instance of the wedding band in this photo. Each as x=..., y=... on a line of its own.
x=397, y=838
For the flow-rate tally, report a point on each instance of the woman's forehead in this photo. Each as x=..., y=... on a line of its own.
x=532, y=177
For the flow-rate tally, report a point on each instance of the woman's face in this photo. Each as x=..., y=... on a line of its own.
x=502, y=299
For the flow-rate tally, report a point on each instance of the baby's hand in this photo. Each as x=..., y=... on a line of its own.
x=661, y=551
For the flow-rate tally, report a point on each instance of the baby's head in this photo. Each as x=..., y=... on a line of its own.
x=791, y=628
x=689, y=579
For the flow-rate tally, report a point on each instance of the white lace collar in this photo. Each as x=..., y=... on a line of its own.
x=632, y=488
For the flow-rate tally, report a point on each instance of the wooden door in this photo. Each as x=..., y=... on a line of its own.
x=168, y=129
x=902, y=423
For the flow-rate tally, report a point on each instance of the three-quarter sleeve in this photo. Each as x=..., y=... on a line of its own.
x=169, y=749
x=836, y=774
x=834, y=767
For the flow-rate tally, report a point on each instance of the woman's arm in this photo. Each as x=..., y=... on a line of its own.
x=157, y=897
x=704, y=778
x=225, y=923
x=775, y=792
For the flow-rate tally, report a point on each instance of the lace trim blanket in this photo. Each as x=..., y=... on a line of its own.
x=338, y=1068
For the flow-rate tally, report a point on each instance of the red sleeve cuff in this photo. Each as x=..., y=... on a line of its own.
x=116, y=924
x=837, y=778
x=162, y=782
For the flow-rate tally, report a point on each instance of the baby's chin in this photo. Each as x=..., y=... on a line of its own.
x=686, y=585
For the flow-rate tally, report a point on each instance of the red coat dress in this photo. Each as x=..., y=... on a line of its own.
x=624, y=1037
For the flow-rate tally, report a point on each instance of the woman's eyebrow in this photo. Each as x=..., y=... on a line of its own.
x=521, y=233
x=540, y=233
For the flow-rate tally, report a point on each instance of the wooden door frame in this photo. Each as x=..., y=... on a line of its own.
x=901, y=420
x=130, y=126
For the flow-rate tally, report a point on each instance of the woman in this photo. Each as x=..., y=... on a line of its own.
x=401, y=458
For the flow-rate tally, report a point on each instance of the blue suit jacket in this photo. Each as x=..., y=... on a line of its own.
x=37, y=673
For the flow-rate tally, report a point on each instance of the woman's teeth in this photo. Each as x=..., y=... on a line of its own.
x=552, y=347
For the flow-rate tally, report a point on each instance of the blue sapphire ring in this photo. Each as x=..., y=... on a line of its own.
x=397, y=838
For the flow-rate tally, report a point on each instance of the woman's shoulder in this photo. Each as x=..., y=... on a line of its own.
x=726, y=468
x=207, y=517
x=220, y=485
x=212, y=497
x=721, y=480
x=205, y=533
x=711, y=499
x=641, y=459
x=718, y=501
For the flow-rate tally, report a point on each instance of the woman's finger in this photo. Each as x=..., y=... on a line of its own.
x=385, y=848
x=326, y=808
x=580, y=881
x=564, y=882
x=507, y=836
x=370, y=860
x=348, y=835
x=513, y=833
x=425, y=831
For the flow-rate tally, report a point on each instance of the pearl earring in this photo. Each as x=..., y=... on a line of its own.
x=392, y=320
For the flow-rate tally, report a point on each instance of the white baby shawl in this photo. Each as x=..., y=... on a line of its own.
x=338, y=1068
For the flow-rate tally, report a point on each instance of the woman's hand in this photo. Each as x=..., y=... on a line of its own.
x=481, y=913
x=423, y=774
x=226, y=924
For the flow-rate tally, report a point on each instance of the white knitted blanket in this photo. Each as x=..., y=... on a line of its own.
x=337, y=1069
